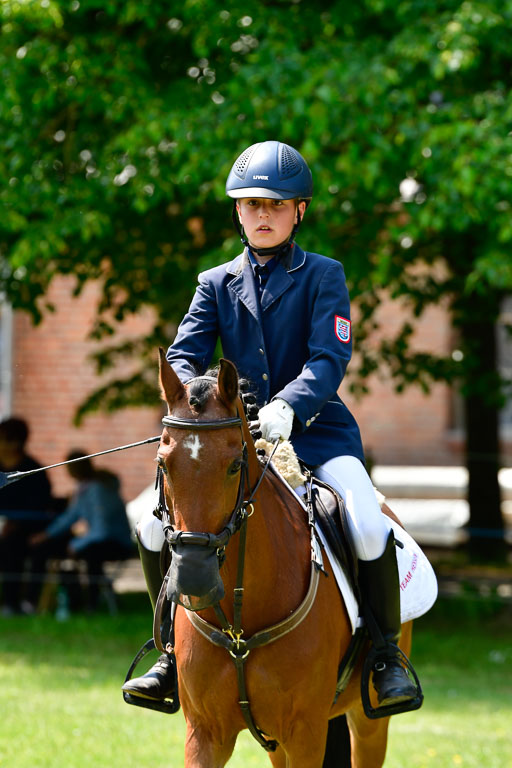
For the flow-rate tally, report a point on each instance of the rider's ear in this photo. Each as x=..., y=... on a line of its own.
x=227, y=383
x=170, y=384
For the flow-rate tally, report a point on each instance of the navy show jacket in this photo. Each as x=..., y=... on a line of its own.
x=294, y=343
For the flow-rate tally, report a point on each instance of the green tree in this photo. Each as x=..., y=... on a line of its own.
x=119, y=122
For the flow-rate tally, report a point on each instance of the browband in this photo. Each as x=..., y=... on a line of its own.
x=179, y=423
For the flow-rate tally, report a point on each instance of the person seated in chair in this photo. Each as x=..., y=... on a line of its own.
x=94, y=527
x=27, y=508
x=283, y=318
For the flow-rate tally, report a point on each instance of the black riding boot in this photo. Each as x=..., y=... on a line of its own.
x=159, y=682
x=380, y=593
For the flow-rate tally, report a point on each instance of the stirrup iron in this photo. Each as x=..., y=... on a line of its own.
x=168, y=705
x=386, y=710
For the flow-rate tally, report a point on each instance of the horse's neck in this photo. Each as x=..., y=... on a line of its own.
x=277, y=557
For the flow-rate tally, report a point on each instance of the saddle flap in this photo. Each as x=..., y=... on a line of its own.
x=330, y=514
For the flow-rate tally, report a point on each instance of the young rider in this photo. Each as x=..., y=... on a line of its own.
x=283, y=318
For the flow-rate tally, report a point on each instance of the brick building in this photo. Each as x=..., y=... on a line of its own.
x=45, y=373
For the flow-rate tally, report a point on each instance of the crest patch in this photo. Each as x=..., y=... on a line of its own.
x=342, y=328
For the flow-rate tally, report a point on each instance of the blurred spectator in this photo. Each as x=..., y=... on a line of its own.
x=93, y=528
x=25, y=507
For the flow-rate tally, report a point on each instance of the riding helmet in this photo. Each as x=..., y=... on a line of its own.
x=270, y=169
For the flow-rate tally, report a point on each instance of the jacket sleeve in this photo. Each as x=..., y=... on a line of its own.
x=329, y=349
x=192, y=350
x=63, y=522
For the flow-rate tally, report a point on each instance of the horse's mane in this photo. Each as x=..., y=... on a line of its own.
x=200, y=390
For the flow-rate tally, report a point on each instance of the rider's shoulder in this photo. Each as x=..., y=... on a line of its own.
x=214, y=274
x=313, y=259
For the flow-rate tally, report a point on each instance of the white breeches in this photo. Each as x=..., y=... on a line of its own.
x=368, y=526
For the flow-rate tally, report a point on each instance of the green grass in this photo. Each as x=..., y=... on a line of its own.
x=62, y=707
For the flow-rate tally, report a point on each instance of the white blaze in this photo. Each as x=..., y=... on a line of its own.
x=193, y=444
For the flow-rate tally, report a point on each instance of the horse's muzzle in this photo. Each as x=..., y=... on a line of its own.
x=194, y=577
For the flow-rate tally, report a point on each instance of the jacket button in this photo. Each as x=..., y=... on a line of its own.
x=308, y=423
x=264, y=377
x=261, y=351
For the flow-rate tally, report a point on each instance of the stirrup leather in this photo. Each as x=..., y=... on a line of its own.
x=170, y=705
x=386, y=710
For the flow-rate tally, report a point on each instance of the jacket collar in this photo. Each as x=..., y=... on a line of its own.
x=244, y=284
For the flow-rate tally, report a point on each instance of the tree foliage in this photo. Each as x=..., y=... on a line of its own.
x=120, y=120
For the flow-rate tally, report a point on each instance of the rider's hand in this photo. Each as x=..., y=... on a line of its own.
x=37, y=538
x=276, y=420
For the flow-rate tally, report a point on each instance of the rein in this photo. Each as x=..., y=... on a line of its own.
x=229, y=636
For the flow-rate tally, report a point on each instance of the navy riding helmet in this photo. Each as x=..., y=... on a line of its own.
x=270, y=169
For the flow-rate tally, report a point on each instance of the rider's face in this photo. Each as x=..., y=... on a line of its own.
x=268, y=222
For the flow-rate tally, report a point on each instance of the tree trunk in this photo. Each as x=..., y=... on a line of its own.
x=486, y=525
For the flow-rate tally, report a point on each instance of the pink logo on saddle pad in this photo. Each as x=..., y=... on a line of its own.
x=342, y=328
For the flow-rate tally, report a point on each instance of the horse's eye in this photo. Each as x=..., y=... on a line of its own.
x=234, y=468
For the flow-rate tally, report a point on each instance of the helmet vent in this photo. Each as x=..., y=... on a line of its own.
x=240, y=167
x=289, y=165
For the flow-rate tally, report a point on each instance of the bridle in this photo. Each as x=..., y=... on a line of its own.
x=229, y=636
x=243, y=507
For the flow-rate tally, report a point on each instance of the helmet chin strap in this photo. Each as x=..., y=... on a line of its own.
x=279, y=250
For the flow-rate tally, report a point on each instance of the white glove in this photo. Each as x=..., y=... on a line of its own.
x=276, y=420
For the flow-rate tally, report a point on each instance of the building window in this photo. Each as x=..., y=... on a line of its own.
x=5, y=359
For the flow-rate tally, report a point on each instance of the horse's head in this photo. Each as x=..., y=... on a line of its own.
x=203, y=459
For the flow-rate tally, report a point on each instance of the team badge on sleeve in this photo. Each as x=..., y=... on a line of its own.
x=342, y=328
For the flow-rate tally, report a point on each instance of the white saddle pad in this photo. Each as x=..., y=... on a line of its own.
x=418, y=583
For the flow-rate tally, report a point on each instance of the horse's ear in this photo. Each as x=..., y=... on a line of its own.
x=227, y=383
x=170, y=384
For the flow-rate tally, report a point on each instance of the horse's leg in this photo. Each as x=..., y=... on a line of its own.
x=337, y=751
x=369, y=739
x=306, y=746
x=202, y=752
